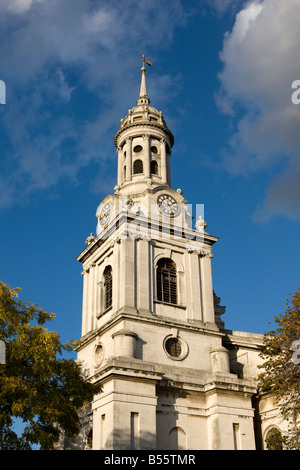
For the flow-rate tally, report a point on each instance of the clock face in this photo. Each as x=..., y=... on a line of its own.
x=168, y=205
x=104, y=214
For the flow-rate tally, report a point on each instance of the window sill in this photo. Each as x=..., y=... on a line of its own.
x=99, y=315
x=170, y=304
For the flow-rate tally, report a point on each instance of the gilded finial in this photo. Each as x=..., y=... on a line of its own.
x=143, y=69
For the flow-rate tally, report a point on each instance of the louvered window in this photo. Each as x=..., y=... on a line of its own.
x=166, y=281
x=173, y=347
x=107, y=287
x=137, y=167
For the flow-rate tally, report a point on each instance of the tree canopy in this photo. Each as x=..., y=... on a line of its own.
x=38, y=384
x=281, y=367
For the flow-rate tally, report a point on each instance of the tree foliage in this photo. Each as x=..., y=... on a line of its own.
x=38, y=384
x=274, y=440
x=281, y=368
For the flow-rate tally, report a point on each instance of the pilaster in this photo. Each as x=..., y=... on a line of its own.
x=143, y=279
x=163, y=156
x=207, y=288
x=128, y=273
x=194, y=304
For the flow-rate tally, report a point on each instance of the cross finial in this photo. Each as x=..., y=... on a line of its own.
x=143, y=69
x=143, y=98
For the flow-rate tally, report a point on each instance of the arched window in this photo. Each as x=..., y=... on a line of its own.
x=107, y=287
x=137, y=167
x=124, y=172
x=154, y=168
x=166, y=281
x=274, y=440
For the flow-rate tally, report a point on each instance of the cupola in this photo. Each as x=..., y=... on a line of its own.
x=144, y=142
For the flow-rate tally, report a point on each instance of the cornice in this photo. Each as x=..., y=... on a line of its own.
x=144, y=124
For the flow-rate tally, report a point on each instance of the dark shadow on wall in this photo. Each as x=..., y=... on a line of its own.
x=169, y=436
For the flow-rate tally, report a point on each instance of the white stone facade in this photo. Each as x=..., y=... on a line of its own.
x=172, y=376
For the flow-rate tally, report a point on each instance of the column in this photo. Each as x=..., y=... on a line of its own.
x=88, y=300
x=143, y=278
x=147, y=156
x=168, y=169
x=91, y=293
x=120, y=158
x=129, y=159
x=163, y=159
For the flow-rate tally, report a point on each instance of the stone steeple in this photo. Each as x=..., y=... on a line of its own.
x=151, y=328
x=143, y=98
x=144, y=144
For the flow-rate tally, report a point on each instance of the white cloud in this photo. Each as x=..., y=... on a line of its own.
x=49, y=50
x=64, y=89
x=17, y=6
x=261, y=60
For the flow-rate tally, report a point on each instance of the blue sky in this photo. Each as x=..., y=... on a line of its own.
x=222, y=74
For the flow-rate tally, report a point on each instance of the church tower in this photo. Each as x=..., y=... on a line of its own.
x=151, y=328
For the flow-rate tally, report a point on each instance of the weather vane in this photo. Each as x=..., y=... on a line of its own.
x=145, y=60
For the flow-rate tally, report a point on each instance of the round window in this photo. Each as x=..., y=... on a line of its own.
x=138, y=148
x=154, y=149
x=98, y=355
x=173, y=347
x=176, y=348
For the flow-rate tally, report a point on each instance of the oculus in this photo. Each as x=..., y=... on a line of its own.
x=175, y=347
x=98, y=355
